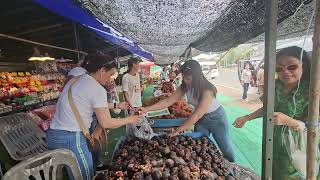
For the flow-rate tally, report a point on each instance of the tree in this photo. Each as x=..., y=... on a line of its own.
x=242, y=52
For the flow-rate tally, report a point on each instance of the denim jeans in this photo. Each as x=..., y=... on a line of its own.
x=245, y=90
x=216, y=123
x=77, y=143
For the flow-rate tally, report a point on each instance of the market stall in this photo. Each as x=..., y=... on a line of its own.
x=137, y=158
x=190, y=156
x=154, y=155
x=22, y=91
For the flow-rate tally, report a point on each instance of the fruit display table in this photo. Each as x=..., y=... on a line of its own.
x=187, y=156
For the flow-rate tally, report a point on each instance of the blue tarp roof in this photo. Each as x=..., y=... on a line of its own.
x=74, y=12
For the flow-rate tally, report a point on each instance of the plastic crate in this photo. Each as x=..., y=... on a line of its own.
x=21, y=137
x=163, y=126
x=122, y=139
x=165, y=123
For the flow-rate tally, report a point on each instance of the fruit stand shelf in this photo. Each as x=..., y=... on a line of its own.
x=28, y=107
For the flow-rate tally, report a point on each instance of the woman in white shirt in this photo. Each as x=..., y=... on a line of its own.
x=245, y=81
x=89, y=97
x=209, y=116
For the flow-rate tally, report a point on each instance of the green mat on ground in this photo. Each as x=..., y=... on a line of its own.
x=247, y=141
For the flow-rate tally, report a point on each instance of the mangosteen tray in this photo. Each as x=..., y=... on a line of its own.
x=196, y=135
x=168, y=123
x=238, y=171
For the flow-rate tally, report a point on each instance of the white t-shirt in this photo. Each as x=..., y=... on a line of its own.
x=77, y=71
x=213, y=106
x=87, y=94
x=246, y=76
x=131, y=84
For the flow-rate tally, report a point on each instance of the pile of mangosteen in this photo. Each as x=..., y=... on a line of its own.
x=169, y=158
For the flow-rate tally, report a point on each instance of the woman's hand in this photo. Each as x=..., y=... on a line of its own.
x=240, y=122
x=143, y=110
x=97, y=134
x=123, y=105
x=280, y=118
x=175, y=132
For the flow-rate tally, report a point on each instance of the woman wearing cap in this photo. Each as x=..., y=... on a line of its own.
x=209, y=116
x=290, y=107
x=245, y=81
x=88, y=97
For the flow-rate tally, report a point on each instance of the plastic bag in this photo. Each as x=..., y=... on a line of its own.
x=243, y=173
x=296, y=145
x=141, y=130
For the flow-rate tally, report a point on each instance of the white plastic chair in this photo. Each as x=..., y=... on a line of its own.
x=45, y=166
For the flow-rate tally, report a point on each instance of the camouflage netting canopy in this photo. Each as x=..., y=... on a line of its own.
x=167, y=28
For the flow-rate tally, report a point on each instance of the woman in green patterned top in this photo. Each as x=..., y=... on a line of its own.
x=291, y=106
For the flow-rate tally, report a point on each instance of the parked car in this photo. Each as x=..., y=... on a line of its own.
x=210, y=69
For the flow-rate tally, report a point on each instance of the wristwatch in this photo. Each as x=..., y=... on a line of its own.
x=114, y=105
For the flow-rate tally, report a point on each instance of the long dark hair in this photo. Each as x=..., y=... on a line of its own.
x=295, y=51
x=199, y=81
x=96, y=61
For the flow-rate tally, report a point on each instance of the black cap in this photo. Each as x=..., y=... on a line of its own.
x=133, y=60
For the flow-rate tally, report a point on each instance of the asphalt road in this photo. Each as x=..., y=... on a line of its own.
x=229, y=78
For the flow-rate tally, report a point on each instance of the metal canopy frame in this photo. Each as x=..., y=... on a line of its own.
x=268, y=102
x=26, y=25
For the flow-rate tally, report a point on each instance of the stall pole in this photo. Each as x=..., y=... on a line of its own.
x=314, y=98
x=271, y=13
x=76, y=39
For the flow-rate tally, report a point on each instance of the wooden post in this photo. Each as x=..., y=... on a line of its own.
x=314, y=98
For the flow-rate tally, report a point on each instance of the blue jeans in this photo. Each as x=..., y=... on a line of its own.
x=245, y=90
x=77, y=143
x=216, y=123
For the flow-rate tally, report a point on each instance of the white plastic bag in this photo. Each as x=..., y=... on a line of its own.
x=295, y=142
x=141, y=130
